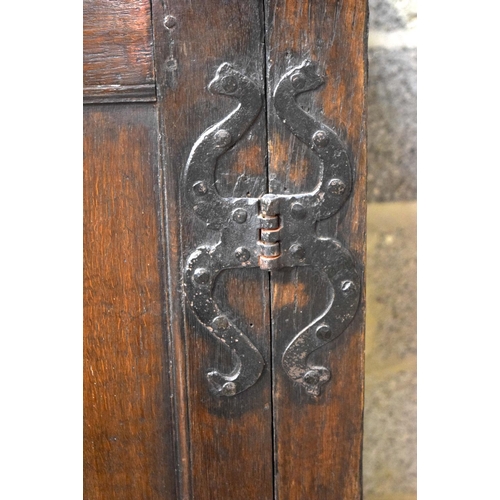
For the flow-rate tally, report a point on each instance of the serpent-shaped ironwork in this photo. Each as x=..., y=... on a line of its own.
x=335, y=169
x=327, y=255
x=285, y=224
x=199, y=174
x=205, y=264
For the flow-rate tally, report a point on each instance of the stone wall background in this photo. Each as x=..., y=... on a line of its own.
x=392, y=101
x=389, y=456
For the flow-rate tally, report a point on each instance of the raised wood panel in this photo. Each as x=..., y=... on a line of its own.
x=318, y=440
x=117, y=51
x=128, y=448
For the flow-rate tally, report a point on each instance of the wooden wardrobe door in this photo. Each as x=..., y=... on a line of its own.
x=156, y=425
x=318, y=440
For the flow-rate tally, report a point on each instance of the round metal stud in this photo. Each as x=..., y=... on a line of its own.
x=311, y=377
x=170, y=22
x=321, y=139
x=298, y=81
x=242, y=254
x=298, y=211
x=228, y=389
x=229, y=84
x=222, y=138
x=171, y=64
x=240, y=215
x=201, y=276
x=324, y=332
x=200, y=188
x=298, y=252
x=347, y=286
x=336, y=186
x=220, y=323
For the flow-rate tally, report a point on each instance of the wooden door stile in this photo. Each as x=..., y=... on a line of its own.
x=318, y=440
x=224, y=444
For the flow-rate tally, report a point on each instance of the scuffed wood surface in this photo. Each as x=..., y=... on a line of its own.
x=318, y=441
x=117, y=51
x=128, y=450
x=225, y=444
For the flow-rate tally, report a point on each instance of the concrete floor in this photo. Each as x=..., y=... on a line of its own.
x=389, y=459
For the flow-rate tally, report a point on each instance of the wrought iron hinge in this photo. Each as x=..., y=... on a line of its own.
x=271, y=232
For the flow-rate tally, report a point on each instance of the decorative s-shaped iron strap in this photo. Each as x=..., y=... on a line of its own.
x=271, y=232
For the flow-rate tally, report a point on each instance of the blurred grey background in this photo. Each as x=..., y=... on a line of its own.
x=389, y=457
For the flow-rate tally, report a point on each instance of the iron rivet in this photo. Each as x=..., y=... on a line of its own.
x=320, y=139
x=171, y=64
x=220, y=323
x=298, y=251
x=242, y=254
x=240, y=215
x=229, y=84
x=347, y=286
x=201, y=276
x=324, y=332
x=228, y=389
x=200, y=188
x=336, y=186
x=298, y=211
x=170, y=22
x=222, y=138
x=298, y=81
x=311, y=377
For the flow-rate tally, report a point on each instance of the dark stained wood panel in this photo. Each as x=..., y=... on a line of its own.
x=117, y=51
x=318, y=440
x=225, y=444
x=128, y=449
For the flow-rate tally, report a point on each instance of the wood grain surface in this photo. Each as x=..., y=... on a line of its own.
x=117, y=51
x=224, y=444
x=128, y=449
x=318, y=440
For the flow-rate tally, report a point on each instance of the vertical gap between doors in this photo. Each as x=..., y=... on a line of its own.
x=267, y=90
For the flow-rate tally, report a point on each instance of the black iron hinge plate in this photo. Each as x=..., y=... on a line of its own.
x=271, y=232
